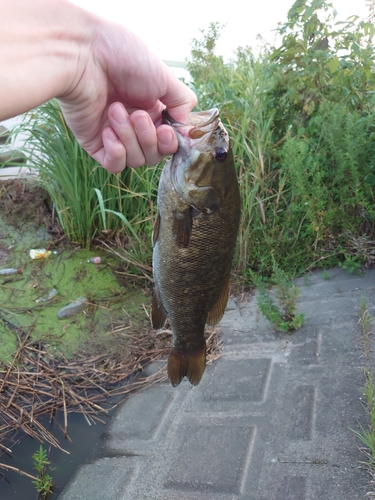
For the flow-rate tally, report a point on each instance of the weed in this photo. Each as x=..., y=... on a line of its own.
x=365, y=321
x=283, y=313
x=367, y=435
x=351, y=265
x=44, y=484
x=302, y=139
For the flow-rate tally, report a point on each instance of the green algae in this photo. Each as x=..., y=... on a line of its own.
x=109, y=306
x=112, y=306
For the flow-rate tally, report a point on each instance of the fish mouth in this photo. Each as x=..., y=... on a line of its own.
x=191, y=167
x=200, y=119
x=199, y=123
x=195, y=131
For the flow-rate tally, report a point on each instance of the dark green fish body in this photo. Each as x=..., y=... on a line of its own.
x=194, y=240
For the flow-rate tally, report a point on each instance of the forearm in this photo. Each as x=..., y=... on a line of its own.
x=41, y=42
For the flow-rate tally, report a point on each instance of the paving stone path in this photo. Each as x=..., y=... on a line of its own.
x=270, y=420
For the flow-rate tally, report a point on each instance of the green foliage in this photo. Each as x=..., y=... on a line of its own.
x=283, y=313
x=301, y=119
x=204, y=62
x=319, y=60
x=44, y=484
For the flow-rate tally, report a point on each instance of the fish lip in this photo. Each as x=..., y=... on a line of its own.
x=199, y=126
x=196, y=120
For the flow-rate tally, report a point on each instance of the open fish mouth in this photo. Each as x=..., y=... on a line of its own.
x=199, y=123
x=199, y=132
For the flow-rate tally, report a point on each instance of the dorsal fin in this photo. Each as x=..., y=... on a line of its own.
x=217, y=312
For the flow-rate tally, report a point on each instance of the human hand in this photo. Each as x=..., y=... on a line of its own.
x=119, y=91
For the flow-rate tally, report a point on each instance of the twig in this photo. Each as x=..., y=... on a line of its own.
x=16, y=469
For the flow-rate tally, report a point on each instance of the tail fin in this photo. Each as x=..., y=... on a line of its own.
x=190, y=363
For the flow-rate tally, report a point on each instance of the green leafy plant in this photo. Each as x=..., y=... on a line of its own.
x=301, y=119
x=282, y=312
x=352, y=265
x=44, y=484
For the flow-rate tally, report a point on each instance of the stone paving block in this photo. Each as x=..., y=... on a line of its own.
x=246, y=319
x=283, y=482
x=211, y=459
x=338, y=341
x=339, y=281
x=248, y=384
x=318, y=310
x=306, y=347
x=334, y=483
x=101, y=481
x=141, y=415
x=293, y=488
x=298, y=412
x=316, y=481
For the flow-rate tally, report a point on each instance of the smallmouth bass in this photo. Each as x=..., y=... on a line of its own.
x=194, y=239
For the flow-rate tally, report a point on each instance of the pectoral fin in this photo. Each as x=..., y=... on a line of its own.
x=158, y=312
x=182, y=226
x=205, y=198
x=217, y=312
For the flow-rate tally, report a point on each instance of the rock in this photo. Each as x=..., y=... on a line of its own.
x=4, y=134
x=9, y=158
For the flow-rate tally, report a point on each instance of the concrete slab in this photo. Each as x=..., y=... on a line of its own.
x=270, y=420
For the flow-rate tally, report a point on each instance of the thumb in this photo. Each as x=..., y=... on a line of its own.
x=179, y=99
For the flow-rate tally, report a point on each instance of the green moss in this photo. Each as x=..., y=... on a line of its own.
x=110, y=307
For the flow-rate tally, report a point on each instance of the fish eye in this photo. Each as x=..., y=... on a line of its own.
x=220, y=154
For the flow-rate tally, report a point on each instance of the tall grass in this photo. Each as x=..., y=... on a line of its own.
x=250, y=128
x=89, y=200
x=367, y=434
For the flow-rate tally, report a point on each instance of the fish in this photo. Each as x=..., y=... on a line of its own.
x=194, y=239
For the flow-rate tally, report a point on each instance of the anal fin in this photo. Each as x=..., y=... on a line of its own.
x=217, y=312
x=188, y=363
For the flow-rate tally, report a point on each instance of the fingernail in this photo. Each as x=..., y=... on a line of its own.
x=120, y=115
x=167, y=140
x=142, y=124
x=111, y=135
